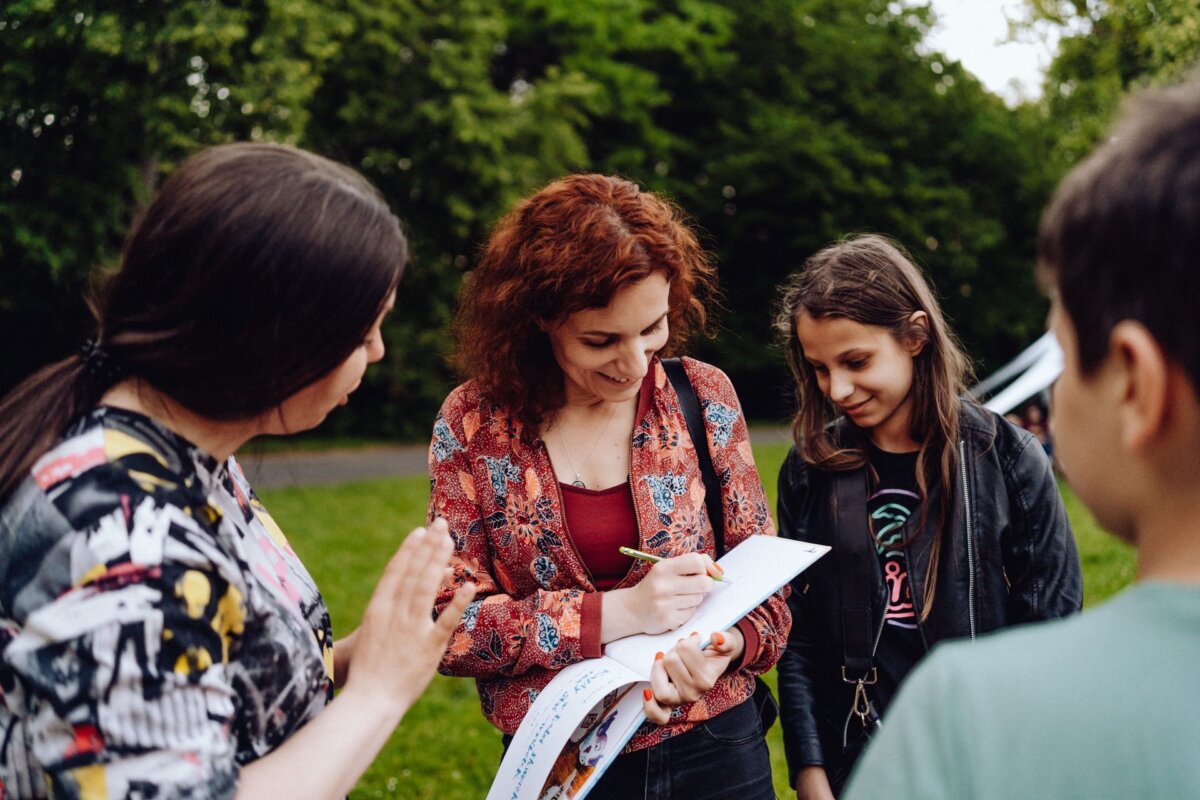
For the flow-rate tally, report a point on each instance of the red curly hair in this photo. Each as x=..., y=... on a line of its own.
x=567, y=248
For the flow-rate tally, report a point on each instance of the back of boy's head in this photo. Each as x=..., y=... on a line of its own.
x=1121, y=238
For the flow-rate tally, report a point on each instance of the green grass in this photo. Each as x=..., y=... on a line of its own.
x=444, y=748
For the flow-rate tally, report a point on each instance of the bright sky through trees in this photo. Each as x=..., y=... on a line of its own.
x=975, y=32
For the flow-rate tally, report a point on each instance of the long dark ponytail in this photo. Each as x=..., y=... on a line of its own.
x=256, y=270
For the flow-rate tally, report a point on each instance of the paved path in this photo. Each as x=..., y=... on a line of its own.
x=279, y=470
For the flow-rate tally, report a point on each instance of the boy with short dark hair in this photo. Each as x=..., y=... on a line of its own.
x=1106, y=704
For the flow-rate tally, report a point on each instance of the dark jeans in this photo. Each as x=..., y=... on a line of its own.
x=725, y=757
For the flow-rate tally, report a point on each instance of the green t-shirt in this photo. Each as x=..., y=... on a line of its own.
x=1101, y=705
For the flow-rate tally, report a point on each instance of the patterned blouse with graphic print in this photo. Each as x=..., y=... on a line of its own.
x=157, y=630
x=538, y=610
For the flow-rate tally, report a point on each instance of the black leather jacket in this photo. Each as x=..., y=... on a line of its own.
x=1008, y=556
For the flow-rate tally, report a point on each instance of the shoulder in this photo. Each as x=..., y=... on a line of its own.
x=802, y=486
x=702, y=370
x=1025, y=663
x=710, y=382
x=987, y=431
x=979, y=423
x=95, y=499
x=99, y=467
x=795, y=471
x=1027, y=694
x=464, y=397
x=1036, y=675
x=984, y=425
x=1034, y=642
x=719, y=407
x=470, y=423
x=463, y=409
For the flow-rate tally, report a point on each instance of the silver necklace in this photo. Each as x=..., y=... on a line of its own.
x=567, y=452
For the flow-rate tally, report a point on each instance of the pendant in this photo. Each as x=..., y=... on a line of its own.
x=579, y=483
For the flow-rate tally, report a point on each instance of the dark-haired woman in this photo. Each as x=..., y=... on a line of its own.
x=160, y=638
x=944, y=519
x=566, y=443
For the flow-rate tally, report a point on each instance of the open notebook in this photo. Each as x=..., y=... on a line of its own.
x=586, y=715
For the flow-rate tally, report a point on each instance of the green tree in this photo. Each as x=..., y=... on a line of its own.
x=784, y=124
x=780, y=125
x=457, y=110
x=97, y=102
x=830, y=119
x=1105, y=51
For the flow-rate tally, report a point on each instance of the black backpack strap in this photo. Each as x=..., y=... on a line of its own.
x=856, y=578
x=689, y=405
x=856, y=557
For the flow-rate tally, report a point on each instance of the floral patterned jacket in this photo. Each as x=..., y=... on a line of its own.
x=537, y=609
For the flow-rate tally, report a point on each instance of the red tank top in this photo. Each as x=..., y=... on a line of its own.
x=599, y=521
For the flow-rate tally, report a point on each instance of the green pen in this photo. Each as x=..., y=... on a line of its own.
x=638, y=554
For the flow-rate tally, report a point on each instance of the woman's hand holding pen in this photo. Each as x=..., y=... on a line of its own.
x=661, y=601
x=686, y=672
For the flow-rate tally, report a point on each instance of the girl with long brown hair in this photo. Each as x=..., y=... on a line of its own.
x=945, y=520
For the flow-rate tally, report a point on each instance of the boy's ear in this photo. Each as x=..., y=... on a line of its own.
x=916, y=344
x=1146, y=393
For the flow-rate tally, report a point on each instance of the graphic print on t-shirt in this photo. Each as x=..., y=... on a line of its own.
x=889, y=510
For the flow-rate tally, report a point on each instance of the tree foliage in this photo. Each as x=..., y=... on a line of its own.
x=1105, y=51
x=457, y=110
x=780, y=125
x=833, y=120
x=99, y=100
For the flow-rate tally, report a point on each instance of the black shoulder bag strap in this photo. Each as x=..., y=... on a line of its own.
x=856, y=580
x=689, y=406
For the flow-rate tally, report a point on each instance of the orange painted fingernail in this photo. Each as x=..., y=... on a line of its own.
x=658, y=656
x=720, y=569
x=646, y=693
x=718, y=639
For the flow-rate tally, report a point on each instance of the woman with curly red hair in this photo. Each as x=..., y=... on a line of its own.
x=566, y=443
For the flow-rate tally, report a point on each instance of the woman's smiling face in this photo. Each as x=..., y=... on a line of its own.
x=605, y=352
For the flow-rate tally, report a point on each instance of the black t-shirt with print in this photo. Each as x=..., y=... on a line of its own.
x=893, y=502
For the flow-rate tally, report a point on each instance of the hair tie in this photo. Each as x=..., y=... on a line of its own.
x=101, y=367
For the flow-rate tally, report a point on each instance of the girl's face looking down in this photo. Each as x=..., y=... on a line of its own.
x=308, y=407
x=605, y=352
x=865, y=372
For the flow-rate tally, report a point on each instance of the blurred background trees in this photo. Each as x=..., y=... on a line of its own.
x=780, y=125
